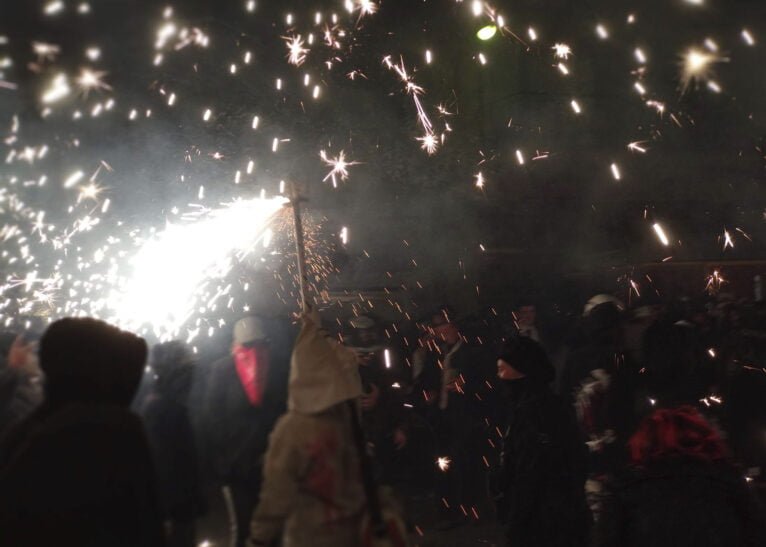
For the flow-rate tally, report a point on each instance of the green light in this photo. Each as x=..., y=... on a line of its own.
x=487, y=33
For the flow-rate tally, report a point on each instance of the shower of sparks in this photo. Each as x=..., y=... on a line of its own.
x=443, y=463
x=296, y=53
x=661, y=234
x=171, y=269
x=561, y=51
x=339, y=167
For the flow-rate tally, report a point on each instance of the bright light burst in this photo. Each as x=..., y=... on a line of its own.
x=296, y=53
x=171, y=269
x=443, y=463
x=90, y=80
x=697, y=66
x=339, y=167
x=561, y=51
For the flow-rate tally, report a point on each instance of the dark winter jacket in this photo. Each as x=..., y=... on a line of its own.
x=236, y=431
x=78, y=470
x=681, y=504
x=544, y=466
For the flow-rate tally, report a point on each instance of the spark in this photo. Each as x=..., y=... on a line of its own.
x=616, y=171
x=296, y=52
x=602, y=32
x=250, y=6
x=58, y=89
x=339, y=167
x=255, y=123
x=344, y=235
x=93, y=53
x=711, y=352
x=366, y=7
x=661, y=234
x=387, y=357
x=695, y=2
x=482, y=59
x=640, y=88
x=206, y=116
x=54, y=7
x=520, y=157
x=73, y=179
x=45, y=51
x=640, y=55
x=697, y=66
x=561, y=51
x=443, y=463
x=532, y=34
x=636, y=146
x=576, y=106
x=479, y=180
x=477, y=7
x=429, y=143
x=711, y=45
x=747, y=37
x=91, y=80
x=714, y=282
x=90, y=191
x=563, y=68
x=727, y=240
x=713, y=86
x=658, y=106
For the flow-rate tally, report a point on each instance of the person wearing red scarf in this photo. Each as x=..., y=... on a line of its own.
x=242, y=404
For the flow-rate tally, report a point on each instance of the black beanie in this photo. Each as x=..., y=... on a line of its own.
x=529, y=358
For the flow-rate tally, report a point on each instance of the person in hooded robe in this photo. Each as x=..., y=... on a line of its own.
x=312, y=493
x=543, y=466
x=78, y=470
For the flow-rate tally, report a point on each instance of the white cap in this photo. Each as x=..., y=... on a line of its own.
x=248, y=330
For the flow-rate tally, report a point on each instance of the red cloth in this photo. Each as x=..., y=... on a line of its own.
x=252, y=368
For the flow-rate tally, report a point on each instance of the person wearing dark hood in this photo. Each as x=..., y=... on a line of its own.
x=542, y=497
x=681, y=490
x=78, y=470
x=168, y=426
x=242, y=404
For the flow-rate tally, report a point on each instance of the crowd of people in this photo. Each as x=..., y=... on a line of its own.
x=640, y=426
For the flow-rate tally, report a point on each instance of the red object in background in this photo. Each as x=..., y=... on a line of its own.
x=252, y=368
x=673, y=433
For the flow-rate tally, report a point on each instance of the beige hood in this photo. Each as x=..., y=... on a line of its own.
x=323, y=372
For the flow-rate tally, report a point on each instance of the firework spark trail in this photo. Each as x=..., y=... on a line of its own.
x=162, y=291
x=429, y=139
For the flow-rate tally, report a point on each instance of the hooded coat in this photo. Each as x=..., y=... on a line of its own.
x=312, y=493
x=78, y=471
x=544, y=458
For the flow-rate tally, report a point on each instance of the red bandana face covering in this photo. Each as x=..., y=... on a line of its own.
x=252, y=368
